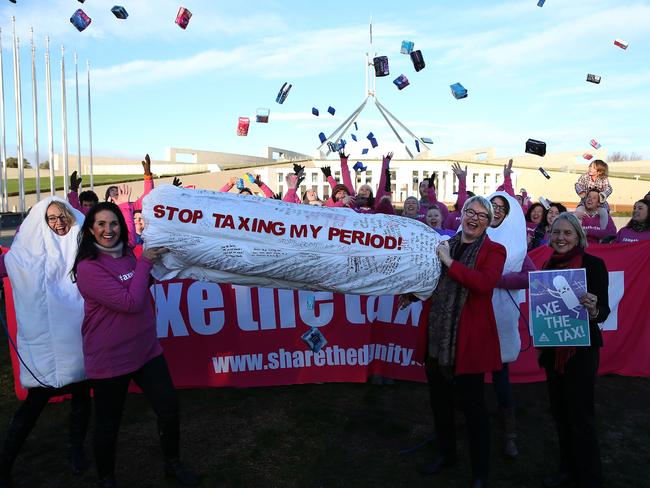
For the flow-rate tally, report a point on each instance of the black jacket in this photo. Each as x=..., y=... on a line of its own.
x=597, y=284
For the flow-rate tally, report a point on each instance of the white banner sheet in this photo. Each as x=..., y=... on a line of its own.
x=253, y=241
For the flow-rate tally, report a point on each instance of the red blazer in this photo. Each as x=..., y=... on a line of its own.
x=477, y=346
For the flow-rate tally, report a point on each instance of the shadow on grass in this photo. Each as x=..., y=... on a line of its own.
x=332, y=435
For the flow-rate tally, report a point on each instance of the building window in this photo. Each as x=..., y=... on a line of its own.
x=280, y=178
x=314, y=177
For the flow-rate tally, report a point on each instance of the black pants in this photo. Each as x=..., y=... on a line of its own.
x=27, y=414
x=472, y=402
x=571, y=395
x=502, y=387
x=110, y=393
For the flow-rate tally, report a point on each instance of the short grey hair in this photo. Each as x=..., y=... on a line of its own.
x=483, y=202
x=413, y=198
x=575, y=223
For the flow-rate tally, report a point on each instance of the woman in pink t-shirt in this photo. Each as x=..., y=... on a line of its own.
x=638, y=228
x=119, y=338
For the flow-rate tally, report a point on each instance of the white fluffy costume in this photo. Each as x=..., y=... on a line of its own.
x=49, y=308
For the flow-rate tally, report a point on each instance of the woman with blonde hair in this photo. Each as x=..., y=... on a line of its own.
x=49, y=314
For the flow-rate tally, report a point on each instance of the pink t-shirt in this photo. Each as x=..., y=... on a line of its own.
x=119, y=327
x=591, y=225
x=626, y=234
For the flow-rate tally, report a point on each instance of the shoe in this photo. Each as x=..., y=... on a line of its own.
x=107, y=482
x=438, y=464
x=78, y=461
x=479, y=483
x=181, y=473
x=558, y=480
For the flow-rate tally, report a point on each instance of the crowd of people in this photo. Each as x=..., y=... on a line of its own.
x=110, y=335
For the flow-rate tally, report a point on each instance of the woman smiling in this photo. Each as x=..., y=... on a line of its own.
x=119, y=338
x=463, y=339
x=571, y=371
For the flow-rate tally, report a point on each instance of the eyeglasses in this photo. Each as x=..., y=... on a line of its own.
x=479, y=215
x=53, y=218
x=498, y=208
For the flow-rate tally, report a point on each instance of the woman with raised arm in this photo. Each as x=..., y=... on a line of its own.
x=112, y=191
x=452, y=221
x=429, y=199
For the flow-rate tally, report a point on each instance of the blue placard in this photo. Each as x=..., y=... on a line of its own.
x=556, y=316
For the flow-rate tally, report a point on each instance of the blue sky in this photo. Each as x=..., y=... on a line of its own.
x=155, y=85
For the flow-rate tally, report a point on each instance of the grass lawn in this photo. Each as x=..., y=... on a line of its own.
x=331, y=435
x=30, y=183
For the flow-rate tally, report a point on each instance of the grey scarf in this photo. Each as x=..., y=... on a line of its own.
x=447, y=304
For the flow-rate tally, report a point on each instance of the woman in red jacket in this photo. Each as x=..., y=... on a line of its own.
x=463, y=339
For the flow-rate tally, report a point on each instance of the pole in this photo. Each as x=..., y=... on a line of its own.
x=35, y=115
x=76, y=83
x=90, y=130
x=19, y=121
x=64, y=124
x=3, y=140
x=50, y=125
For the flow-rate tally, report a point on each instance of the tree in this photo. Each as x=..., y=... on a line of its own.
x=621, y=156
x=44, y=165
x=13, y=163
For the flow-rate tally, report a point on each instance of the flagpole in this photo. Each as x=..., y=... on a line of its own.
x=64, y=124
x=3, y=140
x=90, y=131
x=76, y=83
x=19, y=121
x=35, y=114
x=50, y=125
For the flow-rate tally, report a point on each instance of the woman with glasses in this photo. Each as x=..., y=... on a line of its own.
x=463, y=343
x=509, y=229
x=49, y=313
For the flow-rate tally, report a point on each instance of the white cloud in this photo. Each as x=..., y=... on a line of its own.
x=291, y=55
